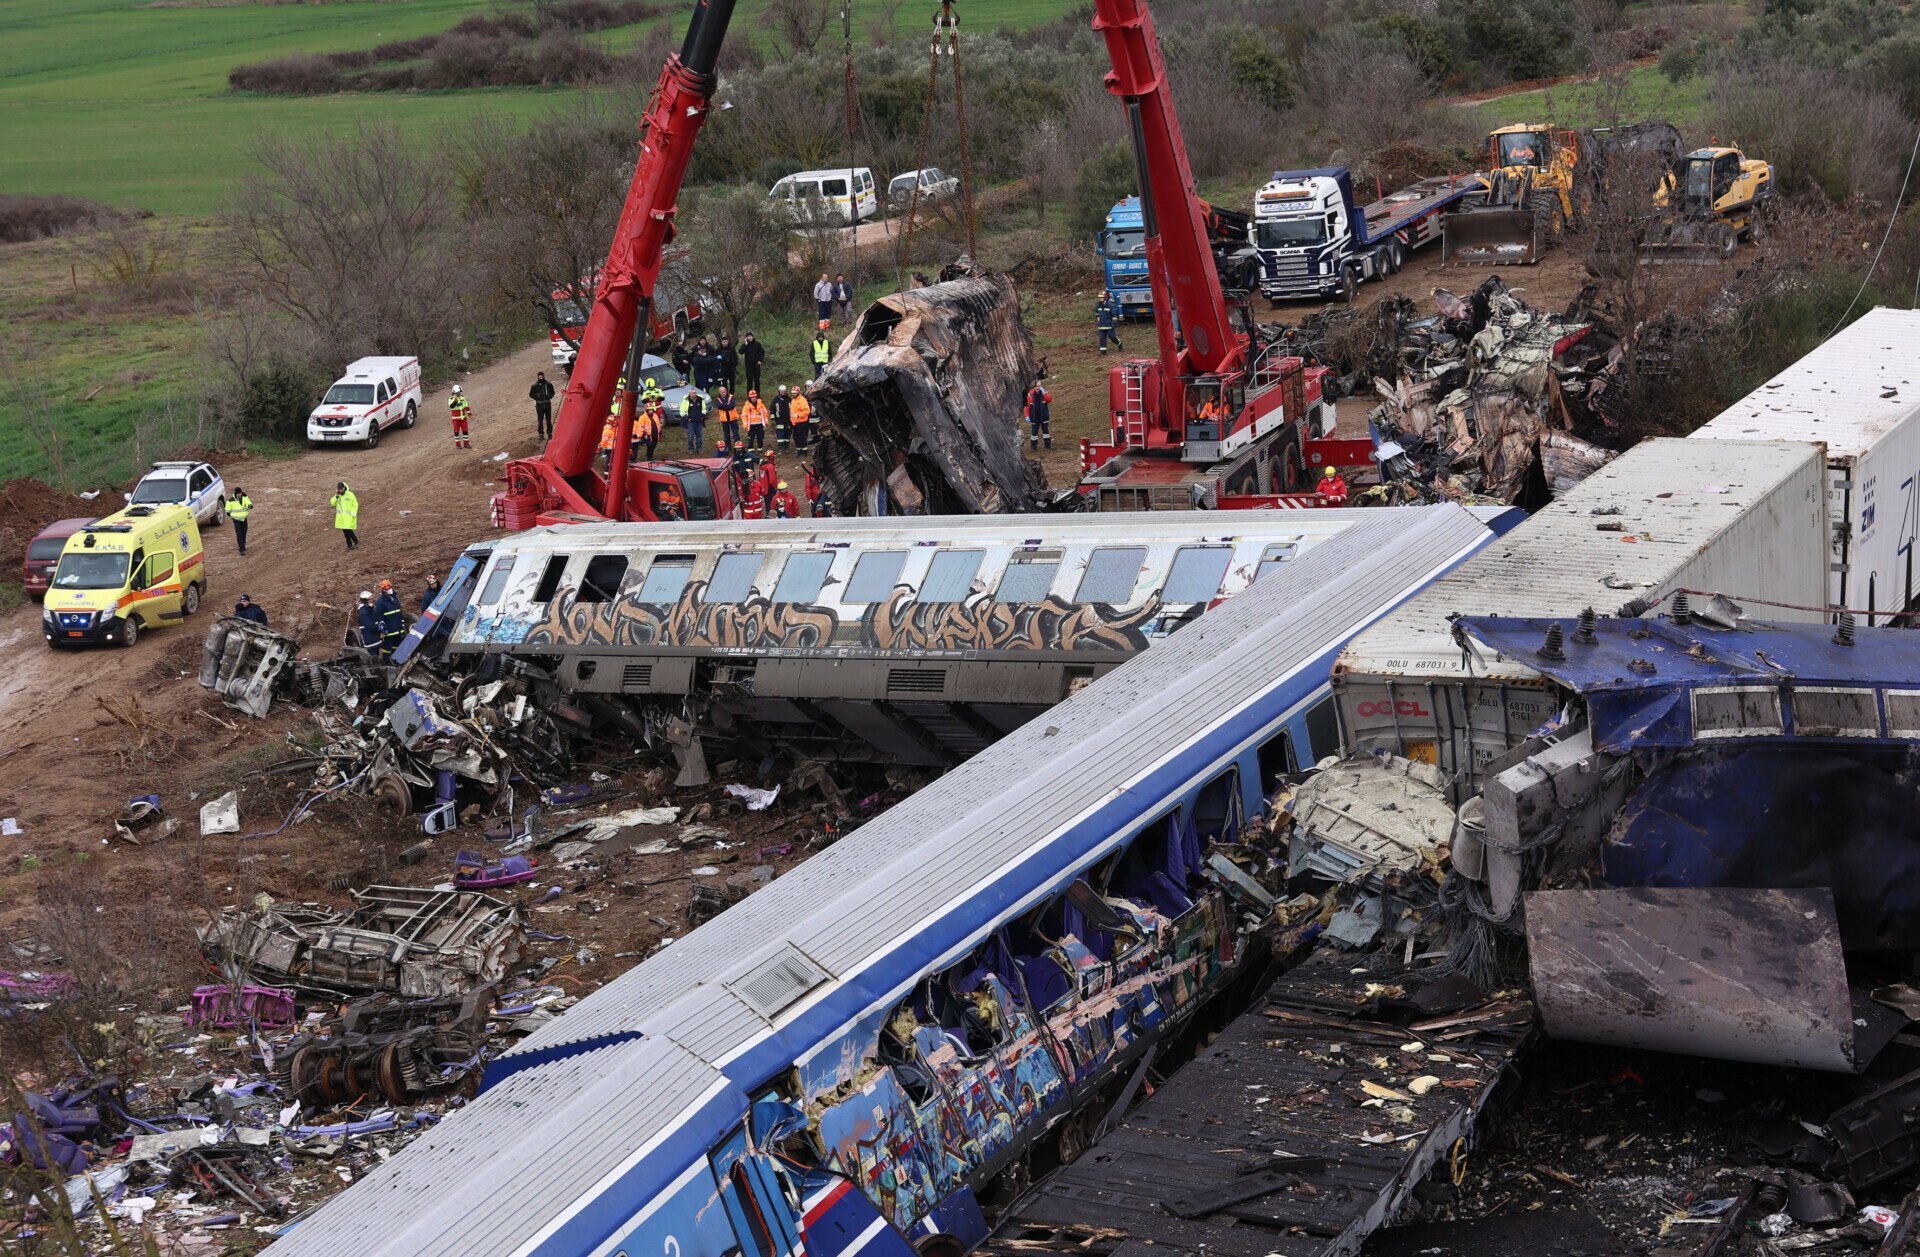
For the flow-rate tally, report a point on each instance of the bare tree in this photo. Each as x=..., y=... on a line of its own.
x=1047, y=162
x=351, y=236
x=542, y=205
x=883, y=26
x=799, y=24
x=736, y=250
x=1361, y=93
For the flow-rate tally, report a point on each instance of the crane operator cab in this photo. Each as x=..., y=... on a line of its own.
x=1206, y=419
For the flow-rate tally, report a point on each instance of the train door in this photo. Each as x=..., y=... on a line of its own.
x=760, y=1203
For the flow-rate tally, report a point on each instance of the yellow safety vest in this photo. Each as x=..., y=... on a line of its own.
x=822, y=349
x=237, y=508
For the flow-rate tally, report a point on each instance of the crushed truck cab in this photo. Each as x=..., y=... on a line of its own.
x=134, y=570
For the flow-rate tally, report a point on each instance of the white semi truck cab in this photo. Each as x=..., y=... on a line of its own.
x=1314, y=240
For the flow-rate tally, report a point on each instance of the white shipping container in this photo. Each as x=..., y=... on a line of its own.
x=1747, y=519
x=1859, y=395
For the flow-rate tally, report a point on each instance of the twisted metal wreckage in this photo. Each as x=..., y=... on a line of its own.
x=1488, y=399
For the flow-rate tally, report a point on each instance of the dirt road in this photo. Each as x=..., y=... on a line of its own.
x=421, y=501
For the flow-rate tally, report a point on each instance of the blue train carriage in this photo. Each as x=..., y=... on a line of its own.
x=849, y=1059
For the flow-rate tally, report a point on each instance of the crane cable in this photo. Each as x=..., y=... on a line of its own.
x=945, y=23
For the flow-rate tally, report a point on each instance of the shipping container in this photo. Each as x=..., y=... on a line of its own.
x=1743, y=518
x=1859, y=395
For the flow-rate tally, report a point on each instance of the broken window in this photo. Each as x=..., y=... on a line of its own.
x=1029, y=577
x=732, y=579
x=550, y=579
x=1273, y=556
x=602, y=580
x=496, y=581
x=1196, y=573
x=1736, y=712
x=874, y=576
x=1276, y=761
x=803, y=577
x=950, y=576
x=666, y=579
x=1111, y=574
x=1835, y=713
x=1216, y=809
x=1155, y=867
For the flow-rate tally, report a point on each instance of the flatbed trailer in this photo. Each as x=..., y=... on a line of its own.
x=1313, y=239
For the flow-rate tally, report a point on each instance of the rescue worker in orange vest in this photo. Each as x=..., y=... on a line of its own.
x=613, y=419
x=461, y=414
x=754, y=414
x=784, y=505
x=646, y=428
x=1332, y=489
x=800, y=415
x=671, y=506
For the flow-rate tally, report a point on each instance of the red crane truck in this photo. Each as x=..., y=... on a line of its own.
x=562, y=484
x=1219, y=418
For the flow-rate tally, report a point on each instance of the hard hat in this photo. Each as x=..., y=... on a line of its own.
x=366, y=595
x=386, y=584
x=1327, y=474
x=753, y=393
x=456, y=388
x=825, y=324
x=650, y=383
x=783, y=484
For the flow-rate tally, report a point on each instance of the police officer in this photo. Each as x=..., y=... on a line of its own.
x=542, y=395
x=1106, y=317
x=822, y=350
x=238, y=506
x=248, y=609
x=693, y=413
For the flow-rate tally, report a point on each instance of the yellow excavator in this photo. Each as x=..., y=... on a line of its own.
x=1539, y=181
x=1712, y=199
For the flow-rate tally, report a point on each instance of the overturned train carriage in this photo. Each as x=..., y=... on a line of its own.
x=917, y=641
x=850, y=1058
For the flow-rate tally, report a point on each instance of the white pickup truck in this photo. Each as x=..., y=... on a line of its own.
x=373, y=395
x=196, y=486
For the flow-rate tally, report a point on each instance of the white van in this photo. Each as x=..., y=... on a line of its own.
x=817, y=196
x=373, y=395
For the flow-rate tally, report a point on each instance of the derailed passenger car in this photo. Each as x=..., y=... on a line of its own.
x=849, y=1059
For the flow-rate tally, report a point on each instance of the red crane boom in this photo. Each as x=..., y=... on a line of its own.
x=562, y=480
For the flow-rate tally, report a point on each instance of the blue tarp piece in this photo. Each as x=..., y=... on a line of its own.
x=1640, y=679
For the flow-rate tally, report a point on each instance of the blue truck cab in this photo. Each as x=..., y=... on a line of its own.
x=1123, y=256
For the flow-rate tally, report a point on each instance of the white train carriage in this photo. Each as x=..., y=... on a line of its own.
x=845, y=1061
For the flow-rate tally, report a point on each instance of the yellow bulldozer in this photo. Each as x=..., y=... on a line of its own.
x=1539, y=182
x=1712, y=199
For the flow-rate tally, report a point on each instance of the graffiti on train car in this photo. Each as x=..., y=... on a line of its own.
x=759, y=623
x=983, y=623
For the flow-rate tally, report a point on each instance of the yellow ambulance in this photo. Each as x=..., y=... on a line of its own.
x=134, y=570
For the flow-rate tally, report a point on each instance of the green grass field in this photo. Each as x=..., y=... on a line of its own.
x=127, y=103
x=1646, y=94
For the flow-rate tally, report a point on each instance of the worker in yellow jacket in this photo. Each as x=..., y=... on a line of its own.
x=346, y=514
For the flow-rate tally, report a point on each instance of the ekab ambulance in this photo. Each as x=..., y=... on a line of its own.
x=136, y=569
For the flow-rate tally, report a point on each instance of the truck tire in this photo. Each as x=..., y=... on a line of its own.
x=413, y=416
x=1348, y=282
x=373, y=436
x=1286, y=471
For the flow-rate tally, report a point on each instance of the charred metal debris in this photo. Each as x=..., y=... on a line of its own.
x=1487, y=399
x=920, y=404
